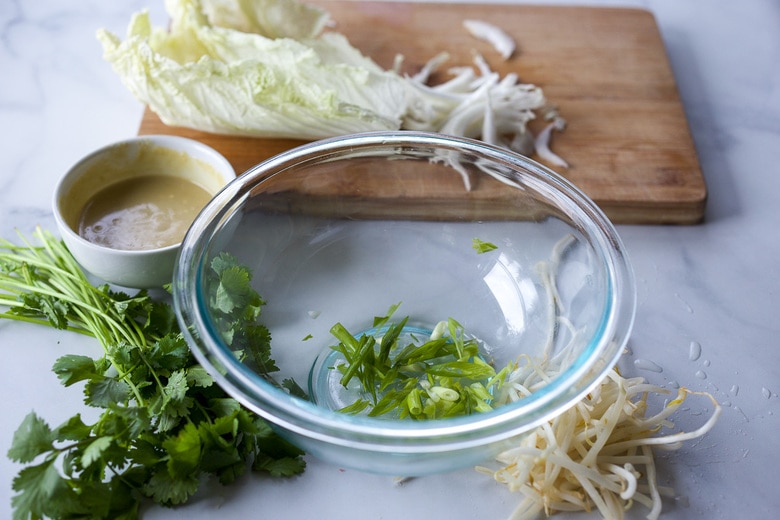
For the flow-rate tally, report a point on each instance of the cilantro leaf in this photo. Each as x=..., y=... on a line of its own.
x=37, y=487
x=197, y=376
x=294, y=388
x=45, y=306
x=169, y=352
x=234, y=292
x=126, y=306
x=94, y=451
x=73, y=429
x=33, y=438
x=184, y=451
x=160, y=319
x=222, y=262
x=279, y=467
x=73, y=368
x=173, y=401
x=105, y=391
x=256, y=339
x=168, y=490
x=222, y=407
x=126, y=423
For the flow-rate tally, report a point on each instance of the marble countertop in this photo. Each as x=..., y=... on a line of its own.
x=716, y=284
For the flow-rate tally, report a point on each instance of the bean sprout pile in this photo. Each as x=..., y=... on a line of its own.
x=599, y=454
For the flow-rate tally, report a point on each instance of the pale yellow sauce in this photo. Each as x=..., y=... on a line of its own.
x=141, y=213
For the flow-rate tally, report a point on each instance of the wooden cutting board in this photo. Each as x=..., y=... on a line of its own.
x=627, y=140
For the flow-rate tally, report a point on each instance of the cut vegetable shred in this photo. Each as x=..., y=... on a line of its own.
x=501, y=41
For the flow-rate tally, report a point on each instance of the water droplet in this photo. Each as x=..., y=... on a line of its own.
x=646, y=364
x=706, y=362
x=734, y=390
x=694, y=350
x=744, y=416
x=766, y=392
x=314, y=314
x=687, y=306
x=682, y=501
x=726, y=404
x=701, y=374
x=674, y=384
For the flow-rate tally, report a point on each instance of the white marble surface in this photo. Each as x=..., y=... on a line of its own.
x=716, y=284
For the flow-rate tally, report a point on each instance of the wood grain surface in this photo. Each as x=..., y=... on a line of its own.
x=627, y=140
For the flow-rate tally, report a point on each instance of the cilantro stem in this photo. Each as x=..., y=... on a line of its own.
x=38, y=321
x=50, y=272
x=13, y=286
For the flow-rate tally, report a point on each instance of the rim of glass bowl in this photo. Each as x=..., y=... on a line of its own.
x=309, y=420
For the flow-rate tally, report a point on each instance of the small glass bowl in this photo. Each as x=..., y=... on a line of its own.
x=339, y=230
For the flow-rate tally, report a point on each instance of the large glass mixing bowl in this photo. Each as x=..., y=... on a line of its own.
x=339, y=230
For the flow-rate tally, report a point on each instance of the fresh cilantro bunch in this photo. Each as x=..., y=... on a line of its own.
x=164, y=424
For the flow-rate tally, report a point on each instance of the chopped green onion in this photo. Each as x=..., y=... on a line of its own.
x=480, y=246
x=441, y=376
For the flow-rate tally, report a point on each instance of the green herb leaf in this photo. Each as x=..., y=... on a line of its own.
x=256, y=339
x=234, y=290
x=73, y=368
x=41, y=492
x=105, y=391
x=94, y=451
x=73, y=429
x=170, y=491
x=295, y=389
x=283, y=467
x=197, y=376
x=481, y=246
x=175, y=401
x=169, y=353
x=31, y=439
x=184, y=451
x=44, y=305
